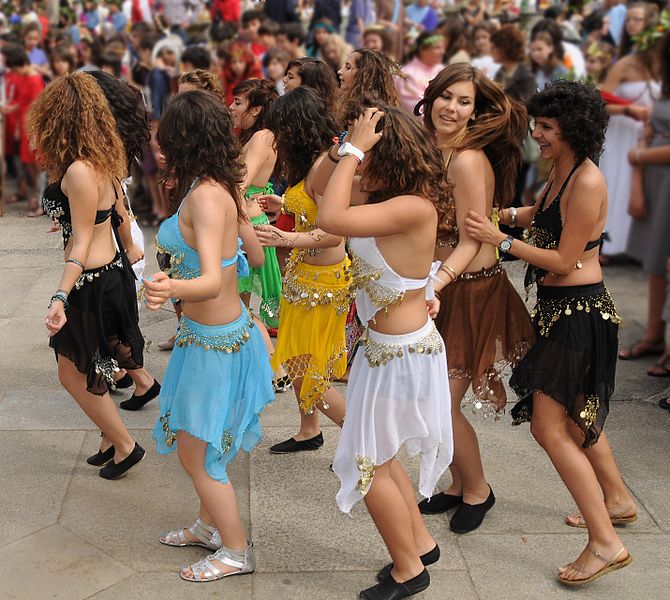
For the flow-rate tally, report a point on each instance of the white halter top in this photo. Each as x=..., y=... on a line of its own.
x=377, y=284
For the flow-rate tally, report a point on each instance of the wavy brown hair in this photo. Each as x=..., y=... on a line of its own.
x=203, y=80
x=196, y=136
x=407, y=162
x=71, y=120
x=260, y=93
x=498, y=129
x=316, y=74
x=374, y=79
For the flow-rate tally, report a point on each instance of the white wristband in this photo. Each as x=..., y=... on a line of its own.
x=348, y=148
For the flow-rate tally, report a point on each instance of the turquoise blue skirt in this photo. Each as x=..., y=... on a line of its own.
x=216, y=384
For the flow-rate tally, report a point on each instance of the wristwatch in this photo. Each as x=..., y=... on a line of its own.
x=506, y=244
x=348, y=148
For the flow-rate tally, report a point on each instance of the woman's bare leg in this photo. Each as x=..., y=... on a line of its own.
x=218, y=499
x=100, y=409
x=391, y=514
x=468, y=479
x=549, y=426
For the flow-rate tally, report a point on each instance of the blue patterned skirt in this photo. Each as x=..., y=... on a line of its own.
x=216, y=384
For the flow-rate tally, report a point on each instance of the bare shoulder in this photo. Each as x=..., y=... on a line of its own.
x=467, y=162
x=211, y=197
x=79, y=170
x=266, y=137
x=589, y=179
x=416, y=206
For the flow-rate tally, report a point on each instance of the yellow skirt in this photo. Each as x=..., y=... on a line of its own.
x=311, y=341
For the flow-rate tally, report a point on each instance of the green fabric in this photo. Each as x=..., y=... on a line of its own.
x=253, y=190
x=264, y=281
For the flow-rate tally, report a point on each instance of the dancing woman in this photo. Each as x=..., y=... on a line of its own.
x=482, y=319
x=567, y=378
x=251, y=101
x=316, y=293
x=132, y=124
x=92, y=318
x=396, y=388
x=218, y=379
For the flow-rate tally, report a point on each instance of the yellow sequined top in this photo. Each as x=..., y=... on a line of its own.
x=299, y=204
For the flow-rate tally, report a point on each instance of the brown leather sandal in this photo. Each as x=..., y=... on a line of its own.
x=617, y=519
x=611, y=564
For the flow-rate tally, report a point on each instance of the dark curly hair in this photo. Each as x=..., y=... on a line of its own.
x=260, y=93
x=196, y=136
x=580, y=112
x=303, y=130
x=128, y=109
x=407, y=162
x=316, y=74
x=498, y=129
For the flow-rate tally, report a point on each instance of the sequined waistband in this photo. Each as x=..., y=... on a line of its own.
x=90, y=274
x=381, y=348
x=554, y=303
x=223, y=338
x=484, y=273
x=315, y=285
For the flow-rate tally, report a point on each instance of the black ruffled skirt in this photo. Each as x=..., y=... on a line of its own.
x=102, y=333
x=574, y=358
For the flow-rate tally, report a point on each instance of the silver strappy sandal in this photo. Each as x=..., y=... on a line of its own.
x=207, y=536
x=204, y=570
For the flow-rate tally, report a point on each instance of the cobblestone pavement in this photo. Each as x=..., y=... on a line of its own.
x=66, y=533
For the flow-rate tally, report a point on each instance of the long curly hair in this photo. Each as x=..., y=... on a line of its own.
x=302, y=129
x=316, y=74
x=374, y=79
x=71, y=120
x=130, y=114
x=407, y=162
x=499, y=127
x=260, y=93
x=197, y=139
x=581, y=114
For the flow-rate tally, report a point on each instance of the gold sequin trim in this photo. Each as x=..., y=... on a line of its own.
x=177, y=268
x=170, y=436
x=226, y=440
x=296, y=290
x=590, y=412
x=229, y=342
x=365, y=276
x=366, y=467
x=549, y=310
x=379, y=353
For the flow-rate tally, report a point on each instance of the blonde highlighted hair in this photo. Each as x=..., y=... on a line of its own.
x=71, y=120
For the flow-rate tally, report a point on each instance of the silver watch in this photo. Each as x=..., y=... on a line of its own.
x=506, y=245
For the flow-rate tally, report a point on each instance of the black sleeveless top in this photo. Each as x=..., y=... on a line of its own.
x=547, y=227
x=57, y=205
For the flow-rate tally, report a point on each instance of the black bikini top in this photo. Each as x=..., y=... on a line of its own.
x=547, y=227
x=57, y=205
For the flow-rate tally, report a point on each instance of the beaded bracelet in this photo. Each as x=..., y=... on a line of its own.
x=74, y=261
x=61, y=296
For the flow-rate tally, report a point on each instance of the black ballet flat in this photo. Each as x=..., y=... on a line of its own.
x=101, y=458
x=439, y=503
x=115, y=470
x=291, y=445
x=136, y=402
x=124, y=383
x=429, y=558
x=390, y=589
x=469, y=517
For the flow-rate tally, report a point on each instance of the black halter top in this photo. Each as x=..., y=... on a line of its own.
x=547, y=227
x=57, y=205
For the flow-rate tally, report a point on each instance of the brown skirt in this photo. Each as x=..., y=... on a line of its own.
x=487, y=330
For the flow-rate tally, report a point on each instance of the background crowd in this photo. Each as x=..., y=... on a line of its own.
x=520, y=44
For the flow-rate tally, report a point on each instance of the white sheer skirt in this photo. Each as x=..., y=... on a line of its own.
x=398, y=394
